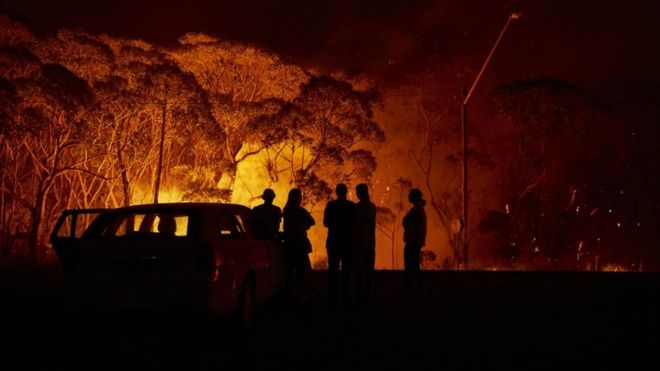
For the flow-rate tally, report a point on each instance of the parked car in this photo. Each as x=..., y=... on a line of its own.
x=200, y=254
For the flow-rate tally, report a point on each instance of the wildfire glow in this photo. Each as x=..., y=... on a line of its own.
x=96, y=121
x=614, y=268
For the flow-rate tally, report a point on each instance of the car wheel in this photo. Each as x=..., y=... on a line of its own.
x=245, y=310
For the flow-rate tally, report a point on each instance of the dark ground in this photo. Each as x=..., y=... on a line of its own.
x=485, y=320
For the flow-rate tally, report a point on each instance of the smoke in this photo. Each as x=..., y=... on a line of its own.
x=587, y=41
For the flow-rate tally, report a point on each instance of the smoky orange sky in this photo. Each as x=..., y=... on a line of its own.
x=588, y=42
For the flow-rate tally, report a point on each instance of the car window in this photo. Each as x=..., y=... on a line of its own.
x=240, y=224
x=168, y=224
x=245, y=220
x=82, y=221
x=65, y=228
x=147, y=224
x=229, y=227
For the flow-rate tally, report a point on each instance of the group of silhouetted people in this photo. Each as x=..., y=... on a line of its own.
x=350, y=245
x=297, y=222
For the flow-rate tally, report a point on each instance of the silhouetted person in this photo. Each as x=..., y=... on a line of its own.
x=365, y=240
x=166, y=225
x=297, y=221
x=267, y=216
x=338, y=217
x=414, y=237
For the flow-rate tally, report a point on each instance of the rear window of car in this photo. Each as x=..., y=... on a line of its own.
x=81, y=221
x=143, y=224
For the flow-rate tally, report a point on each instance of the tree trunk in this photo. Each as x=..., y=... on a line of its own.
x=233, y=173
x=159, y=169
x=4, y=232
x=8, y=228
x=124, y=177
x=35, y=226
x=393, y=251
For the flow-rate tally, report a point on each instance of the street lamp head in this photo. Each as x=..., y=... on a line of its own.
x=515, y=15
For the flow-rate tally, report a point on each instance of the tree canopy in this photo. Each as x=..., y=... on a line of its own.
x=97, y=121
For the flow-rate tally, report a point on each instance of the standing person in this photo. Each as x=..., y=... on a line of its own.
x=267, y=217
x=338, y=217
x=365, y=240
x=297, y=221
x=414, y=237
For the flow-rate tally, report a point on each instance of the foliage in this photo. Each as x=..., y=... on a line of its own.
x=98, y=121
x=426, y=258
x=546, y=166
x=316, y=138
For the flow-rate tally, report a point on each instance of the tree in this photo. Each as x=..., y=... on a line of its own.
x=176, y=98
x=18, y=63
x=14, y=32
x=241, y=72
x=9, y=100
x=388, y=220
x=81, y=53
x=241, y=139
x=495, y=236
x=426, y=258
x=439, y=165
x=624, y=189
x=98, y=121
x=552, y=132
x=243, y=83
x=317, y=138
x=53, y=105
x=121, y=123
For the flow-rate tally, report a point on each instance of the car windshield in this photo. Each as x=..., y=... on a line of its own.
x=146, y=224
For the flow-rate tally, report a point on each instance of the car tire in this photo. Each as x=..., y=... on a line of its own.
x=245, y=310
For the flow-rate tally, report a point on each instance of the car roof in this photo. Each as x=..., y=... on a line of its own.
x=173, y=207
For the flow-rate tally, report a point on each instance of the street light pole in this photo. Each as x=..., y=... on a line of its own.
x=463, y=250
x=464, y=134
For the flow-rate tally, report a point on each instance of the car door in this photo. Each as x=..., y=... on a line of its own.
x=151, y=246
x=259, y=251
x=66, y=235
x=146, y=256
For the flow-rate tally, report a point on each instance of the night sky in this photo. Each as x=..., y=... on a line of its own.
x=587, y=42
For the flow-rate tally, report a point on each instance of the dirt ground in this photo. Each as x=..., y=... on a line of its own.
x=465, y=320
